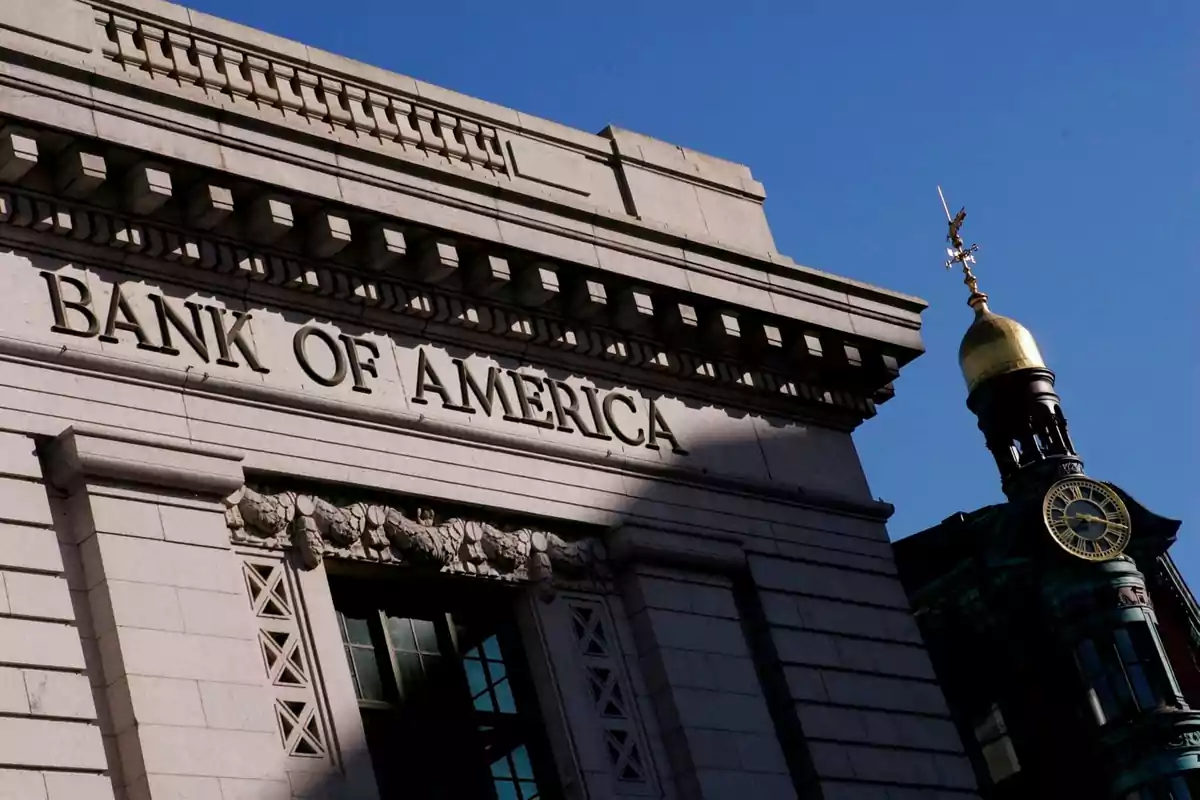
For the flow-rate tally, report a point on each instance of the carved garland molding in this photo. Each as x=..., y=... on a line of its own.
x=212, y=255
x=316, y=528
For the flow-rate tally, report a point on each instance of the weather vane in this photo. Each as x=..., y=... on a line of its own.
x=958, y=252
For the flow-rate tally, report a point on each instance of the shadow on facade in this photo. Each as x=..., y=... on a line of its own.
x=691, y=561
x=702, y=552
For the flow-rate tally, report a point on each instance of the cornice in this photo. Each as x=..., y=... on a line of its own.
x=135, y=67
x=406, y=278
x=84, y=453
x=1167, y=577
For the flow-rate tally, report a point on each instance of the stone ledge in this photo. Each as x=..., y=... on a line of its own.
x=186, y=382
x=637, y=544
x=85, y=451
x=60, y=22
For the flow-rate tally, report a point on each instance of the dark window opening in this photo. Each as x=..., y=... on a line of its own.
x=1122, y=672
x=446, y=700
x=996, y=747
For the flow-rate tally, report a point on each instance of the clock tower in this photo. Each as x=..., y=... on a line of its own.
x=1062, y=634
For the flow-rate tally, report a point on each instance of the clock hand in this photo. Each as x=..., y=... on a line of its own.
x=1101, y=520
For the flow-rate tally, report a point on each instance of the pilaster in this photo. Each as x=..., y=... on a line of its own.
x=177, y=659
x=594, y=696
x=50, y=743
x=717, y=727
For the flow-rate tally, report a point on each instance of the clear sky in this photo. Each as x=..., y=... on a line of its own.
x=1069, y=130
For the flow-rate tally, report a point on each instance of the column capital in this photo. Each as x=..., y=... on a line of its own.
x=85, y=453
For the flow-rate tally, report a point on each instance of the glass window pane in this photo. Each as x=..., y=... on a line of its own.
x=401, y=634
x=491, y=649
x=366, y=668
x=1141, y=687
x=991, y=727
x=1001, y=759
x=1119, y=687
x=430, y=664
x=1089, y=659
x=426, y=631
x=355, y=630
x=484, y=702
x=521, y=765
x=1112, y=705
x=412, y=673
x=476, y=676
x=1108, y=701
x=1125, y=646
x=504, y=699
x=426, y=713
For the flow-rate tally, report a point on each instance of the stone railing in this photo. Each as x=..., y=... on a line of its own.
x=296, y=91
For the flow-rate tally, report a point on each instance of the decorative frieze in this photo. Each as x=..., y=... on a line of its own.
x=271, y=216
x=315, y=528
x=298, y=92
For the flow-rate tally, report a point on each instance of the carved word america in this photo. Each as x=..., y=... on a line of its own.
x=220, y=335
x=546, y=403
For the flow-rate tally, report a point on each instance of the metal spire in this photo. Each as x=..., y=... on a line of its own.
x=960, y=254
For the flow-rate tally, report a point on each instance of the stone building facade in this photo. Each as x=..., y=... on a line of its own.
x=362, y=440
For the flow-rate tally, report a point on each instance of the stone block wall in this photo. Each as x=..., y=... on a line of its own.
x=861, y=686
x=717, y=727
x=48, y=721
x=173, y=653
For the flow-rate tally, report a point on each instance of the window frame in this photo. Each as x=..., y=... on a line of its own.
x=1127, y=673
x=450, y=602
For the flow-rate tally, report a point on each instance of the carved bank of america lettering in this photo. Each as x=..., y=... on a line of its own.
x=154, y=322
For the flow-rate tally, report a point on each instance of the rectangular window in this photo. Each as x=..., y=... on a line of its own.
x=445, y=697
x=1103, y=699
x=995, y=746
x=1122, y=672
x=1132, y=658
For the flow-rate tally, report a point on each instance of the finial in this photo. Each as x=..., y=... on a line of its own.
x=960, y=254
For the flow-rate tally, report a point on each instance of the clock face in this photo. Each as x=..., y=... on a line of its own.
x=1086, y=518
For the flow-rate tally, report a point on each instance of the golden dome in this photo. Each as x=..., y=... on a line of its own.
x=995, y=345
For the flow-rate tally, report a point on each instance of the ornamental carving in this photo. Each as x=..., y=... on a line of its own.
x=1184, y=740
x=316, y=528
x=1132, y=596
x=1066, y=469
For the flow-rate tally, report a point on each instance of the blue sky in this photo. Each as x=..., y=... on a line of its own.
x=1070, y=135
